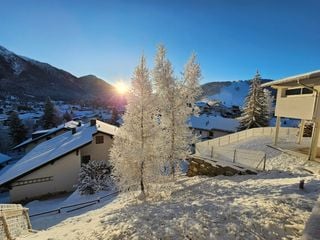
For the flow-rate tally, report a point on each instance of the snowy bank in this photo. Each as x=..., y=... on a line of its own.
x=266, y=206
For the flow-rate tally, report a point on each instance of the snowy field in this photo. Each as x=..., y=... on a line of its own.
x=269, y=205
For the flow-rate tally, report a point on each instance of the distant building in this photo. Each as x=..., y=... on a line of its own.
x=208, y=126
x=298, y=97
x=40, y=136
x=53, y=166
x=4, y=159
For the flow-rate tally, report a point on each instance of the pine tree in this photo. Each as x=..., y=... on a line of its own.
x=94, y=177
x=269, y=99
x=48, y=117
x=18, y=131
x=175, y=102
x=133, y=152
x=67, y=116
x=255, y=111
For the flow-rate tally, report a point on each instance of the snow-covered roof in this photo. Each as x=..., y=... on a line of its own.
x=207, y=122
x=4, y=158
x=202, y=104
x=55, y=148
x=46, y=132
x=303, y=76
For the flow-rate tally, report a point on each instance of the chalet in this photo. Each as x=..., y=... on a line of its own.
x=40, y=136
x=298, y=97
x=53, y=165
x=4, y=159
x=209, y=126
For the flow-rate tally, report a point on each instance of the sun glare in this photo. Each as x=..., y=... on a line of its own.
x=121, y=87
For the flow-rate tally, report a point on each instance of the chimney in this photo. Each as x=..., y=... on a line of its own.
x=73, y=130
x=92, y=122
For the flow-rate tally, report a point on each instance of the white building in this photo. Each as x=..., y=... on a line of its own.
x=209, y=126
x=298, y=97
x=53, y=166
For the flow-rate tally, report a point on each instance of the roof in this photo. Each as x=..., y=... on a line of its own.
x=304, y=76
x=4, y=158
x=47, y=132
x=208, y=122
x=55, y=148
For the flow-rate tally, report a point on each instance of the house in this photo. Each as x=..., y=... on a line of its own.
x=298, y=97
x=40, y=136
x=4, y=159
x=209, y=126
x=53, y=166
x=203, y=107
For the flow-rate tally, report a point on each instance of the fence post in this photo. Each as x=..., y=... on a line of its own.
x=264, y=162
x=234, y=155
x=212, y=152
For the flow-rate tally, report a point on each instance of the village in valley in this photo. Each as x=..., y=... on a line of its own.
x=166, y=153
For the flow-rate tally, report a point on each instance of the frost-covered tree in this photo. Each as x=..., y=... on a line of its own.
x=255, y=111
x=17, y=131
x=175, y=101
x=269, y=99
x=94, y=177
x=133, y=152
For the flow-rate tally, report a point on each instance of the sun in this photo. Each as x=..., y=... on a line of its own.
x=121, y=87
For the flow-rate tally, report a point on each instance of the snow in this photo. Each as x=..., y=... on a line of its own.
x=209, y=122
x=265, y=206
x=47, y=132
x=268, y=205
x=233, y=94
x=47, y=220
x=4, y=158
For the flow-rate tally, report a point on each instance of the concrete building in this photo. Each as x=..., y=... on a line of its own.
x=53, y=166
x=298, y=97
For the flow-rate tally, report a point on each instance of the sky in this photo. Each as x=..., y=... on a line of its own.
x=232, y=38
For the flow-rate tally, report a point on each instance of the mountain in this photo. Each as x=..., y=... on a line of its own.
x=230, y=92
x=27, y=78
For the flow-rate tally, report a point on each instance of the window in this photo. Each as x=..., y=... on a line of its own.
x=298, y=91
x=99, y=139
x=85, y=159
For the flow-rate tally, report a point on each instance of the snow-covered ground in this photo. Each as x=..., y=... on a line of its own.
x=48, y=220
x=266, y=206
x=269, y=205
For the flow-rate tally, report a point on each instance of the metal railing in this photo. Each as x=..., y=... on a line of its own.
x=242, y=135
x=250, y=158
x=216, y=148
x=77, y=205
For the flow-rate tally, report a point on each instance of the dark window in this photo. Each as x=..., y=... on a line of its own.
x=85, y=159
x=99, y=139
x=298, y=91
x=306, y=91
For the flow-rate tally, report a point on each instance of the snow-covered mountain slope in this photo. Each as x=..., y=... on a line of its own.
x=24, y=77
x=229, y=93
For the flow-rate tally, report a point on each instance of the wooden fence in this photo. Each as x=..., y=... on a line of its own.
x=14, y=221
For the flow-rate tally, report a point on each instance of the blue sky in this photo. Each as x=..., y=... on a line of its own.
x=232, y=38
